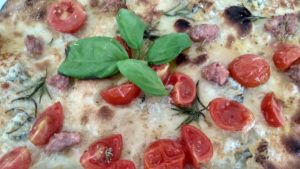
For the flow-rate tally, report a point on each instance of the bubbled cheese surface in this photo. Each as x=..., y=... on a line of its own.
x=140, y=123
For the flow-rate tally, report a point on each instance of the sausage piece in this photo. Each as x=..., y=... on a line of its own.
x=62, y=140
x=59, y=81
x=294, y=73
x=282, y=25
x=204, y=33
x=215, y=72
x=34, y=45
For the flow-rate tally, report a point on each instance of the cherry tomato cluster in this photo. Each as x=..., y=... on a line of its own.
x=192, y=148
x=105, y=154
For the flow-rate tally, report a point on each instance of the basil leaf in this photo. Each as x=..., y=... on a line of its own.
x=168, y=47
x=94, y=57
x=139, y=73
x=131, y=28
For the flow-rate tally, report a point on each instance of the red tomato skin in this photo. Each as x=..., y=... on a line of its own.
x=72, y=23
x=163, y=72
x=113, y=143
x=47, y=124
x=230, y=115
x=197, y=145
x=250, y=70
x=124, y=44
x=285, y=55
x=121, y=95
x=272, y=110
x=18, y=158
x=164, y=154
x=122, y=164
x=184, y=91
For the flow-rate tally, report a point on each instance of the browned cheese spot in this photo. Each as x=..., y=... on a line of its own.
x=5, y=85
x=42, y=65
x=229, y=42
x=105, y=113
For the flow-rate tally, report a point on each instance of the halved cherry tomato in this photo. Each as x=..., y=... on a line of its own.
x=121, y=95
x=122, y=164
x=198, y=146
x=163, y=72
x=285, y=55
x=230, y=115
x=164, y=154
x=184, y=92
x=18, y=158
x=124, y=44
x=47, y=124
x=272, y=110
x=66, y=16
x=102, y=153
x=250, y=70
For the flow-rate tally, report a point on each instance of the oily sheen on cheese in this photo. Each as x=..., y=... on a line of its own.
x=141, y=123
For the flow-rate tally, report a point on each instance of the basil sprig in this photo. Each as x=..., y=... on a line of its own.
x=138, y=72
x=131, y=28
x=168, y=47
x=100, y=57
x=95, y=57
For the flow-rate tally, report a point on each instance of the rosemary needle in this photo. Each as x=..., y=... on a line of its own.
x=193, y=113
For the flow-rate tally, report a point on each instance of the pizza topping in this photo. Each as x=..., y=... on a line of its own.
x=164, y=153
x=66, y=16
x=241, y=158
x=123, y=43
x=105, y=112
x=250, y=70
x=294, y=73
x=34, y=45
x=163, y=71
x=18, y=158
x=285, y=55
x=139, y=73
x=59, y=81
x=182, y=25
x=62, y=140
x=194, y=112
x=184, y=90
x=292, y=144
x=182, y=10
x=108, y=5
x=282, y=26
x=261, y=154
x=272, y=110
x=198, y=146
x=17, y=74
x=121, y=95
x=215, y=72
x=166, y=48
x=107, y=57
x=19, y=121
x=47, y=124
x=204, y=33
x=122, y=164
x=242, y=18
x=102, y=153
x=230, y=115
x=38, y=87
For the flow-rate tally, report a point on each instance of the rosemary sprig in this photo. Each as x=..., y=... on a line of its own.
x=40, y=87
x=20, y=125
x=181, y=9
x=193, y=113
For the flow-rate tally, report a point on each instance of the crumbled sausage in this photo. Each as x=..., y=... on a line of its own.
x=34, y=45
x=215, y=72
x=282, y=25
x=204, y=33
